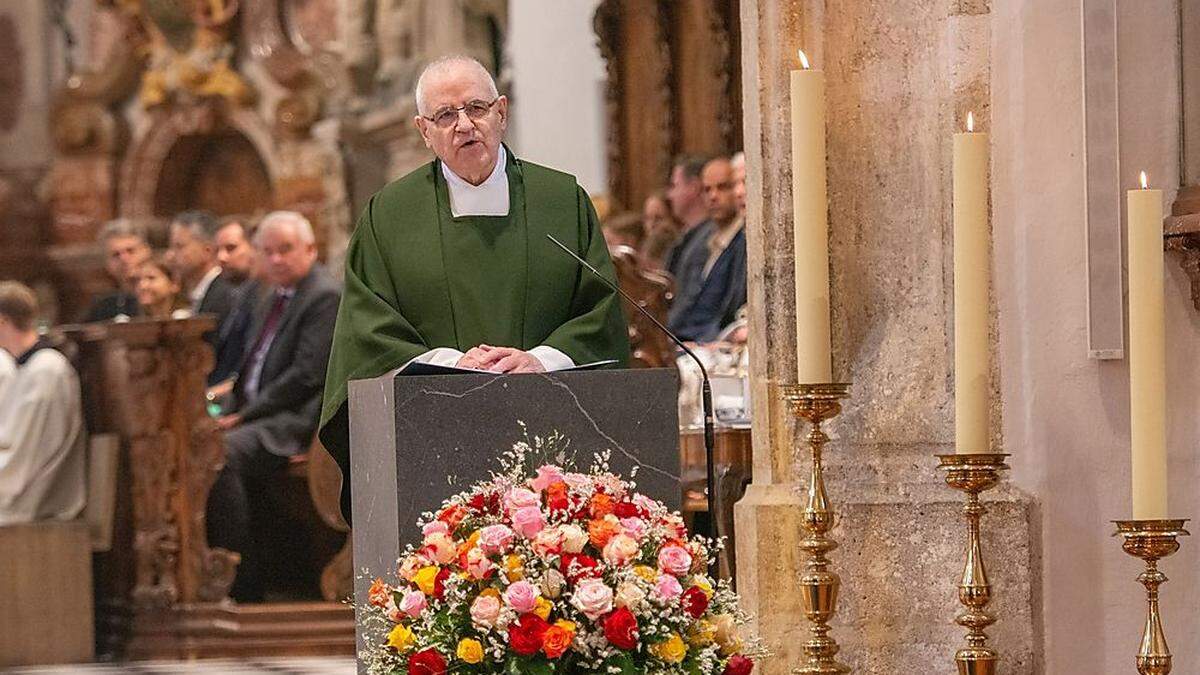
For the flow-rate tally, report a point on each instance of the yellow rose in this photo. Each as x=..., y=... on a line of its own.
x=492, y=592
x=470, y=650
x=473, y=540
x=514, y=567
x=671, y=650
x=702, y=633
x=646, y=573
x=401, y=638
x=704, y=585
x=426, y=579
x=566, y=625
x=542, y=608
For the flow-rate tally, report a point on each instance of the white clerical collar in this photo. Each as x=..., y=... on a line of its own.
x=201, y=289
x=489, y=198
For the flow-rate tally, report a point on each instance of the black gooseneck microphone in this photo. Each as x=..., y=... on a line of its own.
x=705, y=394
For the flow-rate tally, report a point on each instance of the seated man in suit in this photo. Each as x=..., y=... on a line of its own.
x=125, y=249
x=239, y=265
x=192, y=254
x=711, y=285
x=41, y=420
x=277, y=396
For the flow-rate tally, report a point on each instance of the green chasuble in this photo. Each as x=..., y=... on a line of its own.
x=418, y=278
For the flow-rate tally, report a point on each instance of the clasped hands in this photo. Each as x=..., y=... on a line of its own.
x=501, y=360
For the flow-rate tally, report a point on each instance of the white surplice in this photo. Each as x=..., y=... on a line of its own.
x=42, y=443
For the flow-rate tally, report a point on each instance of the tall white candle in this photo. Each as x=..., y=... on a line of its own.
x=1147, y=353
x=810, y=224
x=972, y=266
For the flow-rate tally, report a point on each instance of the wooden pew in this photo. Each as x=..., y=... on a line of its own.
x=653, y=290
x=161, y=592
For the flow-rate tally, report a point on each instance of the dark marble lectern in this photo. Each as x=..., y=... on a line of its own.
x=418, y=440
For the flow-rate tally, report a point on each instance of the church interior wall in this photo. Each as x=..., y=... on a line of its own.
x=1066, y=419
x=558, y=77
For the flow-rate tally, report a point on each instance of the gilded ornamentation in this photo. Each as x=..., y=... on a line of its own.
x=190, y=53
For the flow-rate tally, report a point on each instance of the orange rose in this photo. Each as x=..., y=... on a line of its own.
x=557, y=641
x=601, y=505
x=601, y=530
x=378, y=595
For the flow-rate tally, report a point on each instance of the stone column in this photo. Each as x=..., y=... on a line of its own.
x=900, y=78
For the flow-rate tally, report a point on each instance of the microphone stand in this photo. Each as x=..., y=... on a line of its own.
x=710, y=465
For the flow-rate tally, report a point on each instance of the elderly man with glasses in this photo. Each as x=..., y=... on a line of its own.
x=451, y=265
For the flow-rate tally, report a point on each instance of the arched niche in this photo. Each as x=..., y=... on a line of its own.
x=198, y=157
x=219, y=172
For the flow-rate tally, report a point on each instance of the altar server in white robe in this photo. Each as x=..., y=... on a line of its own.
x=42, y=443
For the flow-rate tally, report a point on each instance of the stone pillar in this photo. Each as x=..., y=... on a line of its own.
x=900, y=80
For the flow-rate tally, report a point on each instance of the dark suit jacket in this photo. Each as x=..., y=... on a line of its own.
x=233, y=334
x=705, y=304
x=218, y=301
x=110, y=306
x=285, y=412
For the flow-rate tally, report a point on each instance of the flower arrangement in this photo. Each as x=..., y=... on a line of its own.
x=558, y=572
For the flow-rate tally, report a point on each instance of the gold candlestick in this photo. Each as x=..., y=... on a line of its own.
x=972, y=474
x=817, y=403
x=1151, y=540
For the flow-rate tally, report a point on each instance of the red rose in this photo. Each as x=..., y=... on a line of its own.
x=452, y=516
x=527, y=633
x=626, y=510
x=738, y=665
x=426, y=662
x=694, y=602
x=621, y=629
x=576, y=566
x=485, y=502
x=439, y=582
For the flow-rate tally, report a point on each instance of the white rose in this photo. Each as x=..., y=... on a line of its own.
x=573, y=538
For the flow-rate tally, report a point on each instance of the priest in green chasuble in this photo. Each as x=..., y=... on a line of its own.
x=450, y=264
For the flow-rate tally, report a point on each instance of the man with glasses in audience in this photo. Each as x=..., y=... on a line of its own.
x=450, y=264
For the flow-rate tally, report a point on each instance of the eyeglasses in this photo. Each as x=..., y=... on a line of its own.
x=448, y=117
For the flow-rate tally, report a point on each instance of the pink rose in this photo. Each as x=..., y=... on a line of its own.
x=578, y=481
x=485, y=610
x=667, y=588
x=435, y=527
x=634, y=527
x=521, y=596
x=546, y=476
x=675, y=560
x=620, y=550
x=593, y=598
x=548, y=542
x=413, y=603
x=644, y=503
x=495, y=538
x=528, y=521
x=478, y=564
x=440, y=547
x=574, y=538
x=519, y=498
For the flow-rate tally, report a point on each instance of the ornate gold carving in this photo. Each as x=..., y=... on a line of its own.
x=190, y=53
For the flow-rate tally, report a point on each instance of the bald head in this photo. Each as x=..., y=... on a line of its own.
x=719, y=197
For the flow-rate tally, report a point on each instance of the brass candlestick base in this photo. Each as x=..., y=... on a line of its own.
x=972, y=474
x=817, y=403
x=1151, y=540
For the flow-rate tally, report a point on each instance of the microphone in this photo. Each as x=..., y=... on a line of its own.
x=705, y=395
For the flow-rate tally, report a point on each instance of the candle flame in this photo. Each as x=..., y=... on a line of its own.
x=803, y=60
x=970, y=121
x=1145, y=183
